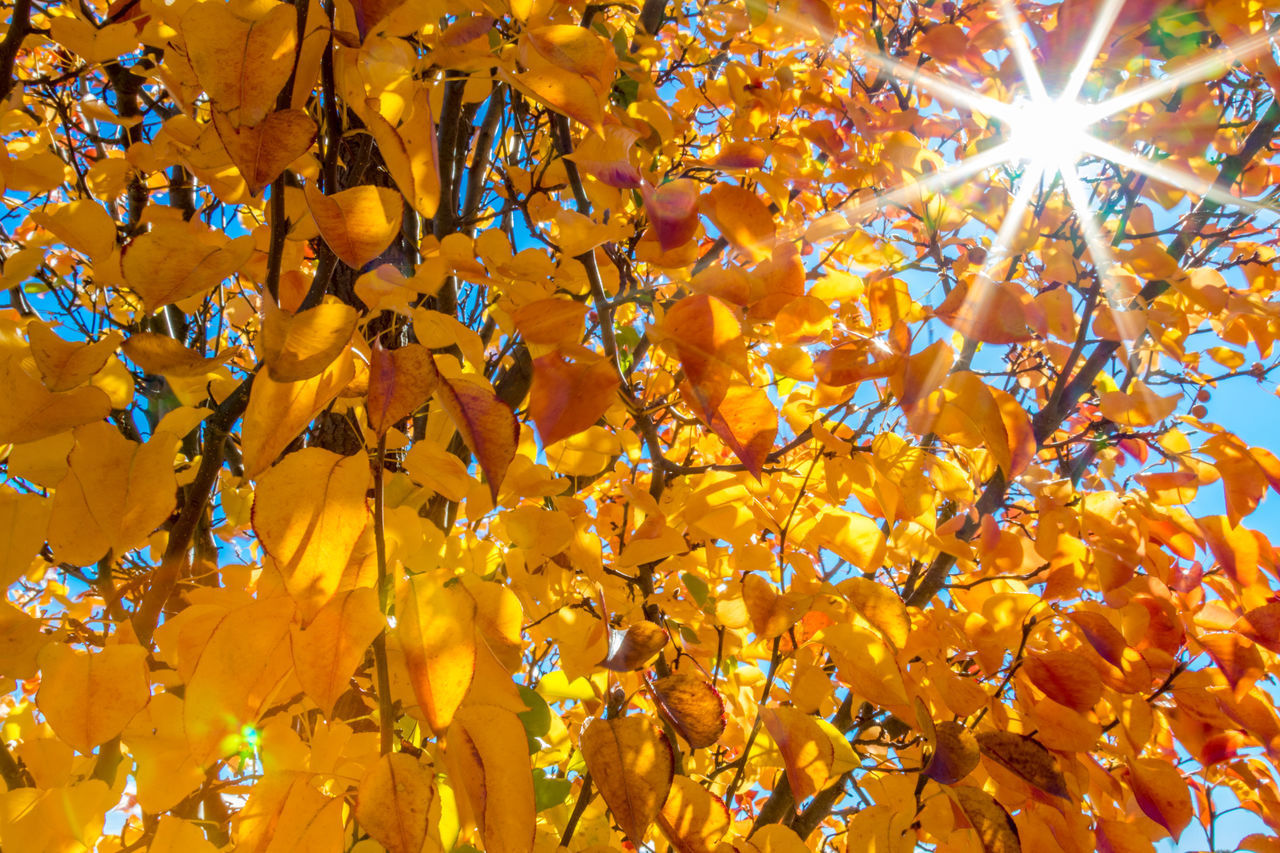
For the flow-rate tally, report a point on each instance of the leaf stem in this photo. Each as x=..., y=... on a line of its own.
x=386, y=718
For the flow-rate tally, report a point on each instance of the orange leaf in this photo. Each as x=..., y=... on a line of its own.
x=747, y=422
x=742, y=218
x=358, y=223
x=436, y=626
x=994, y=312
x=550, y=321
x=1238, y=659
x=162, y=355
x=486, y=424
x=400, y=382
x=692, y=819
x=693, y=706
x=1066, y=678
x=567, y=397
x=63, y=364
x=1105, y=638
x=771, y=613
x=806, y=750
x=394, y=803
x=262, y=151
x=633, y=766
x=177, y=260
x=1161, y=793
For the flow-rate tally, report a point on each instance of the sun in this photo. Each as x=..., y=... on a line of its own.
x=1050, y=134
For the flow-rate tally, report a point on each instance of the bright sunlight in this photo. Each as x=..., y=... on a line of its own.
x=1049, y=134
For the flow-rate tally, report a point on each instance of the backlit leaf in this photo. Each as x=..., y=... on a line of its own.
x=631, y=763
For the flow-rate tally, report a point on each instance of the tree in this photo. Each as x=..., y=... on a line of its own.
x=732, y=426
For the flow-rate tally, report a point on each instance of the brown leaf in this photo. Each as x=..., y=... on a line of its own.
x=633, y=648
x=989, y=819
x=1065, y=677
x=486, y=424
x=955, y=753
x=567, y=397
x=693, y=705
x=633, y=765
x=400, y=382
x=1026, y=758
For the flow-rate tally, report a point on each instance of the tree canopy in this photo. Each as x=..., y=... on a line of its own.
x=753, y=426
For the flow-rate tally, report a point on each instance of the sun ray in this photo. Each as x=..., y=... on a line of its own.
x=1099, y=249
x=843, y=218
x=1173, y=176
x=1089, y=53
x=1022, y=51
x=936, y=85
x=1202, y=69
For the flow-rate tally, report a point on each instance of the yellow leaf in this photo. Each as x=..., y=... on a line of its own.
x=327, y=652
x=244, y=660
x=32, y=412
x=278, y=411
x=166, y=773
x=242, y=64
x=162, y=355
x=410, y=152
x=24, y=520
x=286, y=808
x=114, y=495
x=436, y=627
x=632, y=765
x=65, y=364
x=83, y=225
x=486, y=748
x=486, y=424
x=400, y=382
x=395, y=802
x=358, y=223
x=89, y=698
x=309, y=511
x=174, y=835
x=300, y=346
x=176, y=260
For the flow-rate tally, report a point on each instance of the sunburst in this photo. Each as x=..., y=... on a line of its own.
x=1050, y=135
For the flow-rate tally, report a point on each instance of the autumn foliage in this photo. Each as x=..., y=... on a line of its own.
x=519, y=424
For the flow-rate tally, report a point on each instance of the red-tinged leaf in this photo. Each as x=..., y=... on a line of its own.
x=1027, y=759
x=567, y=397
x=1238, y=659
x=955, y=753
x=394, y=802
x=371, y=13
x=1262, y=625
x=1224, y=746
x=692, y=705
x=673, y=212
x=486, y=424
x=693, y=819
x=1162, y=793
x=747, y=422
x=996, y=829
x=633, y=765
x=806, y=750
x=633, y=648
x=1066, y=678
x=400, y=382
x=1105, y=638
